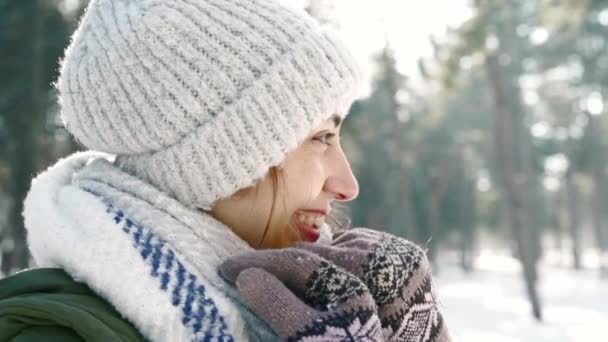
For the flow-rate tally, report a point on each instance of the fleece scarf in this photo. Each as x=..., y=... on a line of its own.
x=151, y=257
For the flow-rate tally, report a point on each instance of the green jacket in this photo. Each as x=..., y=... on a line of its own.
x=45, y=304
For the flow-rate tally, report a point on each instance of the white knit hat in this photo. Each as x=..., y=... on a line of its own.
x=201, y=97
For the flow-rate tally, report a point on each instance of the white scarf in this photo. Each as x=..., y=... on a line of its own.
x=152, y=258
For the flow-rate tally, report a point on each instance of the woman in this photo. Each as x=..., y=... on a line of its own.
x=203, y=217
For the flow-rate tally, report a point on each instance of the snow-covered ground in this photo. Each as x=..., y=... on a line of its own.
x=490, y=305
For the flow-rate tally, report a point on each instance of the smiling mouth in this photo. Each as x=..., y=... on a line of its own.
x=307, y=226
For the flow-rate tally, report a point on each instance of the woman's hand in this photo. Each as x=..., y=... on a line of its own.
x=303, y=297
x=397, y=273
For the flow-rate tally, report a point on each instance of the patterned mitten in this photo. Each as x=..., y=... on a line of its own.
x=398, y=276
x=304, y=297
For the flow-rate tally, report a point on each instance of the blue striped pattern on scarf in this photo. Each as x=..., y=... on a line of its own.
x=199, y=312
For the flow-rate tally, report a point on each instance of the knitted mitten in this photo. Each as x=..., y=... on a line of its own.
x=304, y=297
x=398, y=276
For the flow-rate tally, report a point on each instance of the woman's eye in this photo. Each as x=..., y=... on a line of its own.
x=325, y=138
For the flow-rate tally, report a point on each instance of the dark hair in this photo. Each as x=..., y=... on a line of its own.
x=338, y=219
x=274, y=176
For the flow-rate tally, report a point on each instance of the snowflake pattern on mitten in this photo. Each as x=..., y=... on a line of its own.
x=360, y=326
x=329, y=285
x=391, y=264
x=397, y=274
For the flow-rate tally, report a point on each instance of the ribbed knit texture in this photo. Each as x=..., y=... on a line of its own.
x=201, y=97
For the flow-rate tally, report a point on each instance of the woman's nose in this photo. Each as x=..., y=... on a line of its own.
x=341, y=182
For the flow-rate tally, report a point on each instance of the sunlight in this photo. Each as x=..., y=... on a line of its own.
x=540, y=129
x=67, y=7
x=551, y=183
x=556, y=164
x=594, y=103
x=602, y=17
x=407, y=26
x=539, y=35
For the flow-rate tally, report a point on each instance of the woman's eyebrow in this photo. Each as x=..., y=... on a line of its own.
x=337, y=120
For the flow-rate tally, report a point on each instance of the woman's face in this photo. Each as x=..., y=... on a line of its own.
x=312, y=176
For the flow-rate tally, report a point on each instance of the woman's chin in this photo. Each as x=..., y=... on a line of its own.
x=291, y=237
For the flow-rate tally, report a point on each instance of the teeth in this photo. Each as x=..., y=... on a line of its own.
x=319, y=221
x=310, y=220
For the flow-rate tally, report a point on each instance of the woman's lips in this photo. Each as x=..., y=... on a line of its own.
x=308, y=233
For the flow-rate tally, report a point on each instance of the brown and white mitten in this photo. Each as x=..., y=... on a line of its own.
x=304, y=297
x=398, y=275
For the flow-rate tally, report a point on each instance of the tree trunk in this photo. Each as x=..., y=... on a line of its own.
x=26, y=125
x=434, y=213
x=467, y=241
x=598, y=203
x=438, y=185
x=572, y=198
x=466, y=254
x=469, y=231
x=411, y=221
x=510, y=155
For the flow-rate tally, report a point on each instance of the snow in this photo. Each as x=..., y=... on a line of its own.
x=490, y=304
